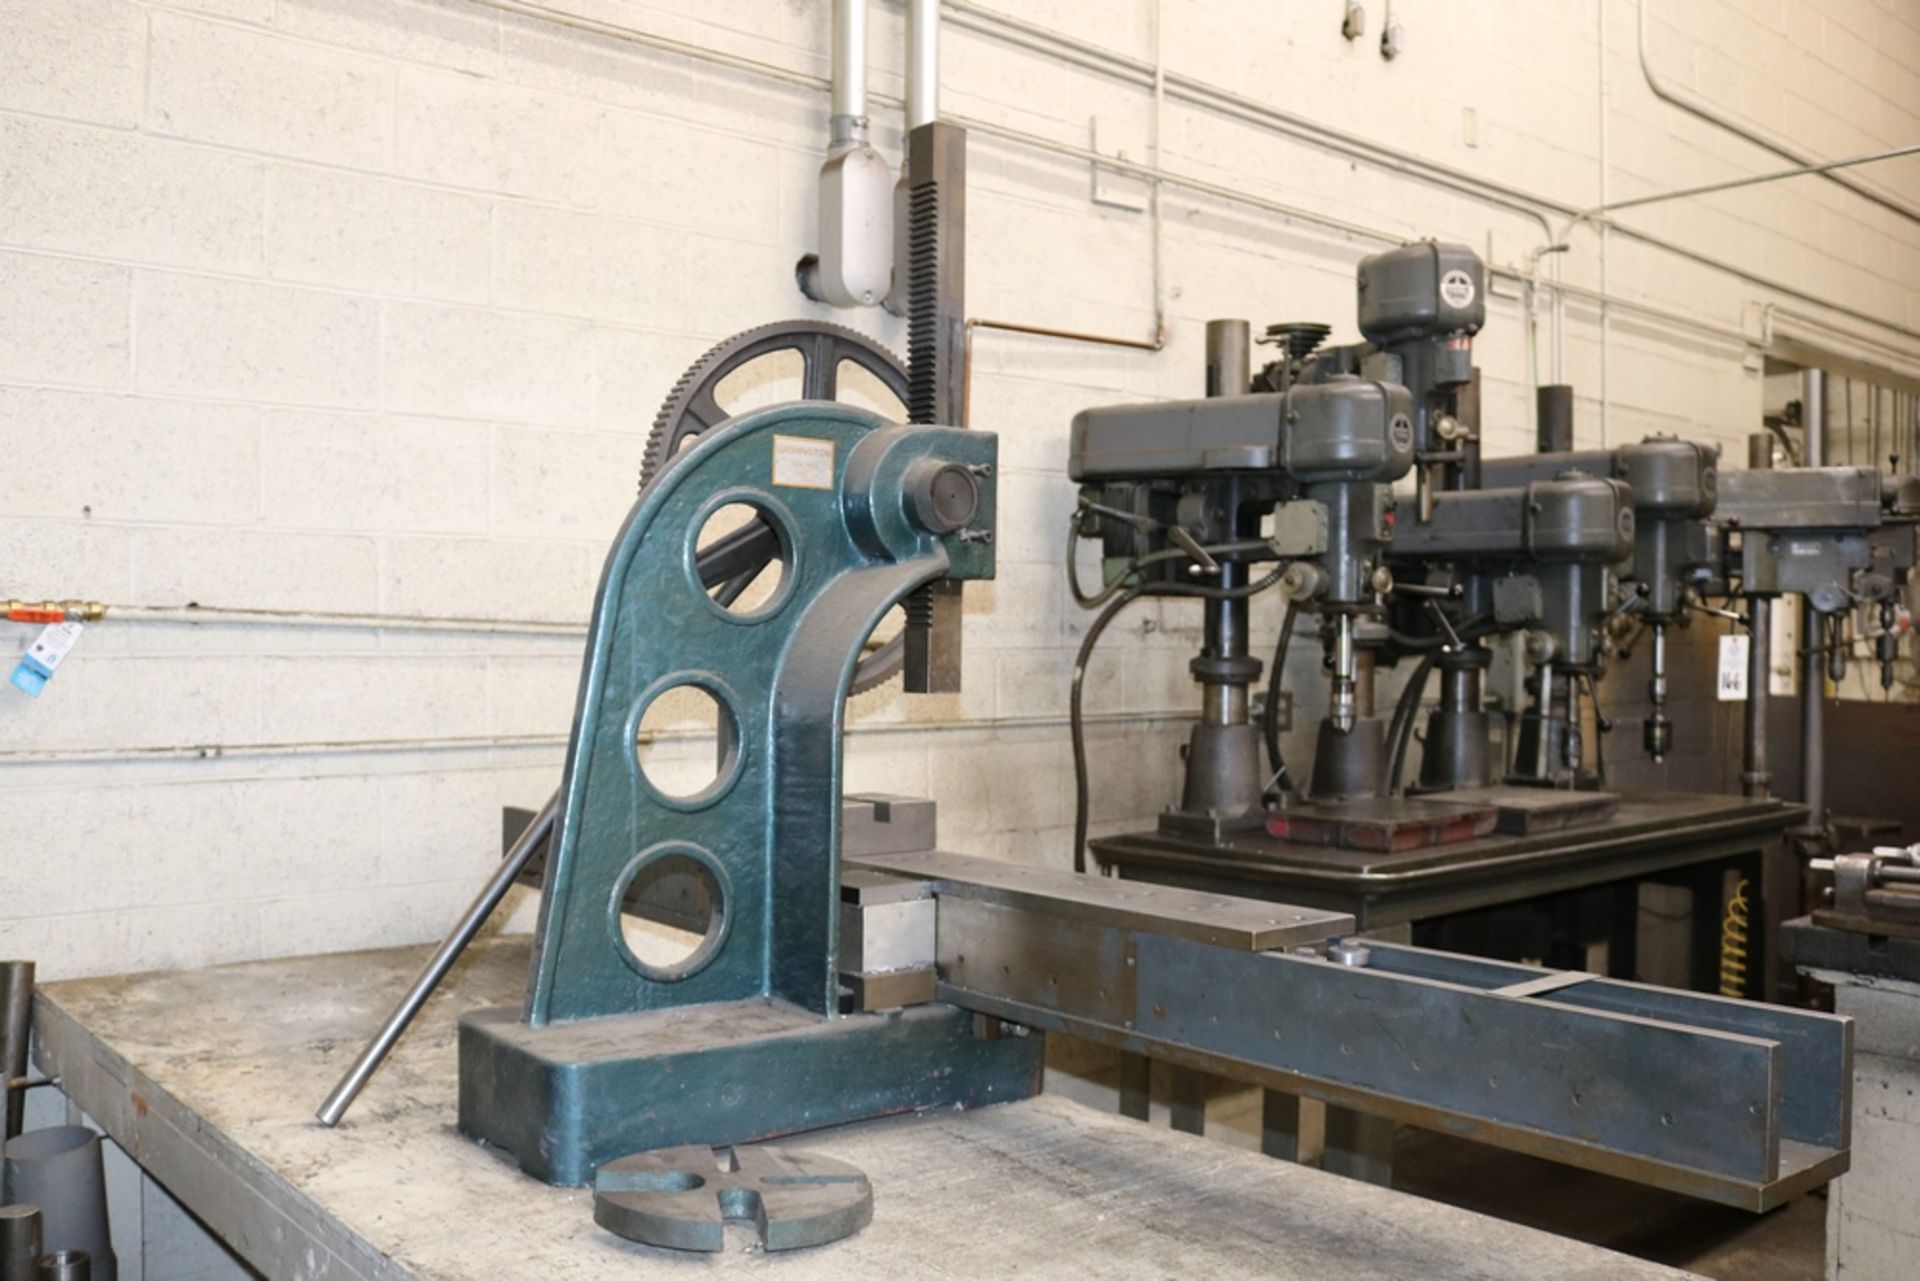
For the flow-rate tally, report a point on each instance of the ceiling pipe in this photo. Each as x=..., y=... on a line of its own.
x=922, y=103
x=923, y=62
x=849, y=91
x=1106, y=62
x=855, y=264
x=1674, y=96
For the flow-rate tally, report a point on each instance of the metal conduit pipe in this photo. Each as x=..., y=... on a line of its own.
x=1112, y=63
x=923, y=62
x=848, y=93
x=84, y=611
x=1533, y=205
x=486, y=742
x=1065, y=47
x=1813, y=675
x=854, y=267
x=1759, y=137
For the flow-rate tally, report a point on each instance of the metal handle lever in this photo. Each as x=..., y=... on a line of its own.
x=1454, y=643
x=356, y=1077
x=1185, y=542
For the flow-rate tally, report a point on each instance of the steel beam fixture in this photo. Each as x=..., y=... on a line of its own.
x=1731, y=1101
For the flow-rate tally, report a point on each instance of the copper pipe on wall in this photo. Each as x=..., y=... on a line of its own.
x=1157, y=343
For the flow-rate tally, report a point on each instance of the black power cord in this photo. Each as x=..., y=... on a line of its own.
x=1076, y=718
x=1270, y=713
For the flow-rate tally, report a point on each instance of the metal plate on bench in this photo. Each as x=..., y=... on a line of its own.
x=683, y=1198
x=1384, y=823
x=1239, y=923
x=1525, y=811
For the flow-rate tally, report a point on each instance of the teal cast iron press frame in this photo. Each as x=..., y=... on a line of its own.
x=741, y=1040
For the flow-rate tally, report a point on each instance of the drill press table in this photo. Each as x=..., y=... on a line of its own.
x=209, y=1077
x=1684, y=836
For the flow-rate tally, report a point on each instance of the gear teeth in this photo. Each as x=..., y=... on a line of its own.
x=923, y=294
x=660, y=440
x=670, y=426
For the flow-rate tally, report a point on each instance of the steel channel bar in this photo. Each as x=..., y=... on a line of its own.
x=1816, y=1049
x=1692, y=1109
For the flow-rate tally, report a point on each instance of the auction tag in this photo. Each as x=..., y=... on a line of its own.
x=802, y=462
x=1733, y=667
x=44, y=656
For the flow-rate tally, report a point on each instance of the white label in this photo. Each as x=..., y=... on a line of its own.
x=1456, y=289
x=53, y=644
x=802, y=462
x=1733, y=667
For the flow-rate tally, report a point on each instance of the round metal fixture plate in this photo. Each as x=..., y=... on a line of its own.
x=683, y=1198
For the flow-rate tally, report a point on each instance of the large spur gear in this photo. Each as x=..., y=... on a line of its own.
x=693, y=407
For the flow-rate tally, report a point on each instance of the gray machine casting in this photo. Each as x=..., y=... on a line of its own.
x=1843, y=540
x=1556, y=558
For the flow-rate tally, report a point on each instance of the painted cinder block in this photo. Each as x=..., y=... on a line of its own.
x=260, y=569
x=151, y=702
x=131, y=197
x=373, y=472
x=63, y=321
x=81, y=60
x=489, y=578
x=663, y=170
x=598, y=472
x=479, y=134
x=262, y=92
x=466, y=362
x=131, y=458
x=438, y=32
x=373, y=235
x=237, y=340
x=582, y=264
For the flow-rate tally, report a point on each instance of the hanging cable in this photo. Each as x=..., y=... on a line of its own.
x=1076, y=723
x=1270, y=713
x=1405, y=712
x=1076, y=719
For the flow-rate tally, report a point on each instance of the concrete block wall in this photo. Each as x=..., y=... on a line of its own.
x=363, y=307
x=1870, y=1234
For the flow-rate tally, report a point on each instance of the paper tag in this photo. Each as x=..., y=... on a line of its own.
x=37, y=666
x=1733, y=667
x=802, y=462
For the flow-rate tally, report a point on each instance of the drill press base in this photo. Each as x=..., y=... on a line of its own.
x=568, y=1097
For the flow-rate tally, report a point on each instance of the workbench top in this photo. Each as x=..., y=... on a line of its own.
x=210, y=1078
